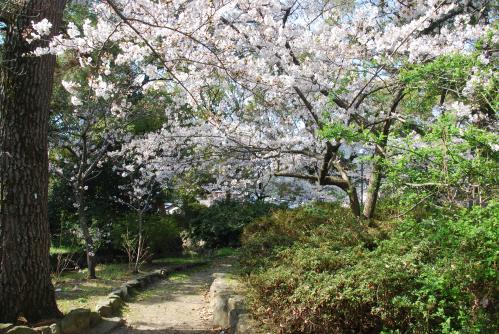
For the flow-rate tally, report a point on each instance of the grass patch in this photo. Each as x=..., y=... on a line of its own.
x=63, y=250
x=226, y=251
x=177, y=260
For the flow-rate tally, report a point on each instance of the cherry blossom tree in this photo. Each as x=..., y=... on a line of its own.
x=325, y=73
x=139, y=194
x=82, y=136
x=353, y=87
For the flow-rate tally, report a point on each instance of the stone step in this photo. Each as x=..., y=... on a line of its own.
x=106, y=325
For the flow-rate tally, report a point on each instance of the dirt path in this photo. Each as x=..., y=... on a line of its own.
x=175, y=306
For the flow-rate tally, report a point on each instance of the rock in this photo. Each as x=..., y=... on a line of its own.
x=95, y=318
x=55, y=328
x=116, y=292
x=221, y=285
x=106, y=325
x=104, y=309
x=219, y=275
x=5, y=327
x=246, y=324
x=235, y=307
x=165, y=272
x=131, y=287
x=43, y=330
x=219, y=306
x=159, y=272
x=113, y=295
x=124, y=292
x=220, y=291
x=116, y=303
x=134, y=283
x=76, y=321
x=44, y=323
x=143, y=281
x=21, y=330
x=153, y=277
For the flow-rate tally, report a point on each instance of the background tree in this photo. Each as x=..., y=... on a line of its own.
x=139, y=194
x=97, y=105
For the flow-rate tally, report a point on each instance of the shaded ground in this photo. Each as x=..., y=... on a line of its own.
x=74, y=290
x=178, y=305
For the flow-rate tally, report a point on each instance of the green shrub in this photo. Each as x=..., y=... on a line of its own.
x=220, y=225
x=266, y=237
x=162, y=233
x=318, y=270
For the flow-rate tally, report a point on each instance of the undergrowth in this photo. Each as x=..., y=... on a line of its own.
x=317, y=269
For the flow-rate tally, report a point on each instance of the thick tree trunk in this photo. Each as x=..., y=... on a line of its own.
x=89, y=244
x=25, y=91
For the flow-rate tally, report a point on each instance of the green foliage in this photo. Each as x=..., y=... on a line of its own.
x=226, y=251
x=318, y=270
x=447, y=76
x=453, y=161
x=263, y=239
x=452, y=165
x=63, y=250
x=107, y=218
x=221, y=224
x=339, y=130
x=162, y=233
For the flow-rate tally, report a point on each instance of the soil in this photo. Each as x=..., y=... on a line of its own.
x=175, y=306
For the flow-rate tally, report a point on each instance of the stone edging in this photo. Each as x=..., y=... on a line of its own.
x=228, y=307
x=104, y=319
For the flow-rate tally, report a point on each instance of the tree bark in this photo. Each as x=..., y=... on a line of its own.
x=139, y=245
x=379, y=156
x=89, y=244
x=25, y=91
x=349, y=187
x=373, y=187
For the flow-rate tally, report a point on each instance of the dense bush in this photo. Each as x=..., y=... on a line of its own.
x=162, y=233
x=221, y=224
x=318, y=270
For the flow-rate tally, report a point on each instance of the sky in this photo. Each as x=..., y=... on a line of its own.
x=2, y=25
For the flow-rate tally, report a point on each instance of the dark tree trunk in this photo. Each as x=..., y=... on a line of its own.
x=89, y=244
x=25, y=91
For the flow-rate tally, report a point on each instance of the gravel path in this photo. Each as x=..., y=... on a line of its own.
x=178, y=306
